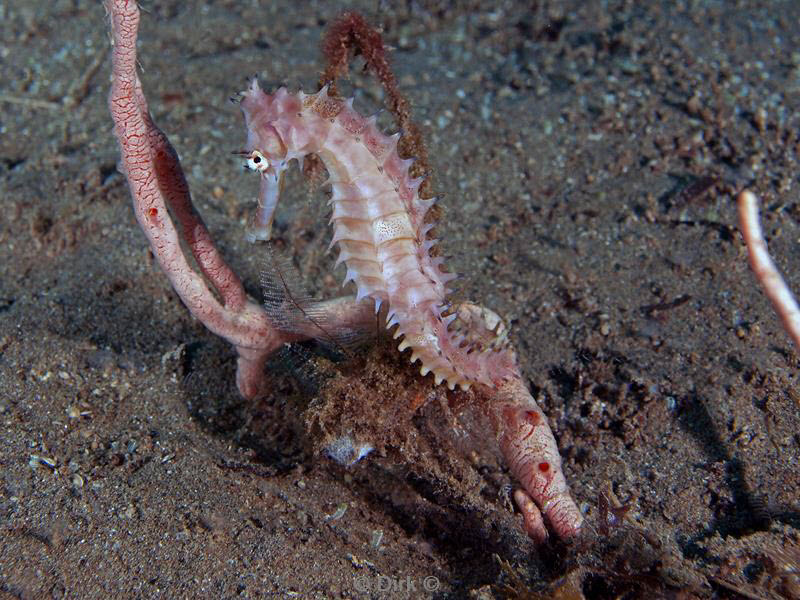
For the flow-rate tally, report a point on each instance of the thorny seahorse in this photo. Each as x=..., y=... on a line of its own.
x=380, y=228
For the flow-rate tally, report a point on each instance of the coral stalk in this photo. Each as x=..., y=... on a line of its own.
x=530, y=450
x=381, y=230
x=158, y=186
x=764, y=268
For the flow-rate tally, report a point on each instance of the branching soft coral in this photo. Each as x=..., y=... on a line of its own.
x=381, y=228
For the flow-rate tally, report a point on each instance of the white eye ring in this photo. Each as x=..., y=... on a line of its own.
x=257, y=162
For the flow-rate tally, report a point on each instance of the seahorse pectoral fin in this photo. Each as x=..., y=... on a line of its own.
x=259, y=228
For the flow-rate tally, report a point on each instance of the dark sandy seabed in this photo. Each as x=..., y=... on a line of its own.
x=588, y=154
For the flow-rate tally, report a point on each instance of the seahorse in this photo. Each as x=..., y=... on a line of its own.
x=380, y=228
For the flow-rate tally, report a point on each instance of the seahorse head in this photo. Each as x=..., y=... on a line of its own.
x=266, y=152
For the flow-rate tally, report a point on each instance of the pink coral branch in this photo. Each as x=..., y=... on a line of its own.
x=156, y=182
x=478, y=339
x=528, y=445
x=764, y=268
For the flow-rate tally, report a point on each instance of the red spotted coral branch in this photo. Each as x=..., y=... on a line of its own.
x=528, y=445
x=381, y=229
x=158, y=186
x=764, y=268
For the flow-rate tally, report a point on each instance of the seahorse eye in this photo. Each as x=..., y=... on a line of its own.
x=257, y=161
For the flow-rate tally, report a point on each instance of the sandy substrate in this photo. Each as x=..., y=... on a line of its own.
x=588, y=154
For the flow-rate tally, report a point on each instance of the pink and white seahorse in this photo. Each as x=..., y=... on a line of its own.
x=379, y=227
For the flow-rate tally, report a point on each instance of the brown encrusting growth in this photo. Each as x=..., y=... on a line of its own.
x=351, y=33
